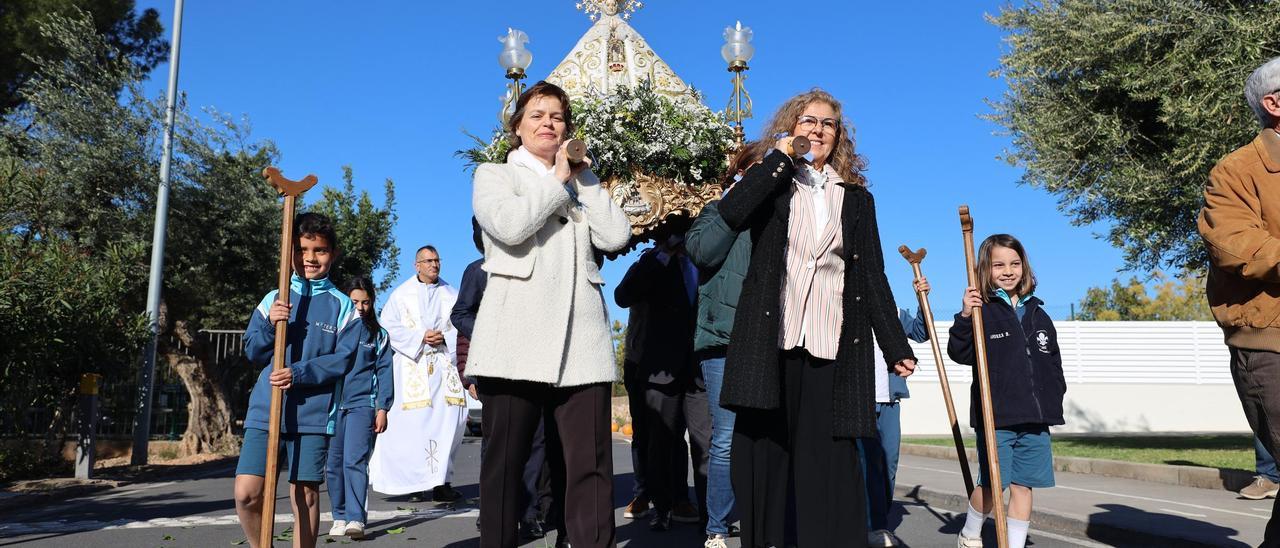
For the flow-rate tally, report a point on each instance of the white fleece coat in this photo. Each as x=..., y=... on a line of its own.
x=543, y=317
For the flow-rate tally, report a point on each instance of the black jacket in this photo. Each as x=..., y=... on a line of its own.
x=1023, y=361
x=470, y=290
x=659, y=345
x=761, y=203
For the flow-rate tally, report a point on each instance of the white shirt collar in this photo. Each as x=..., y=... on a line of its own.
x=814, y=179
x=522, y=157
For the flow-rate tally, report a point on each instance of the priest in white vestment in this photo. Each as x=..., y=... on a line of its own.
x=425, y=425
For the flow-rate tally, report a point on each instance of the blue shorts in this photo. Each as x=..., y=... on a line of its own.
x=305, y=455
x=1026, y=458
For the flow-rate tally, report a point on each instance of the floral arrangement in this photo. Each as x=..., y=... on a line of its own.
x=637, y=130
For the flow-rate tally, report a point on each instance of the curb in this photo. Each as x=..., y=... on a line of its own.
x=1052, y=522
x=1186, y=476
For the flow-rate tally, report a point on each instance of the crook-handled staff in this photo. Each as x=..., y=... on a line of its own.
x=984, y=388
x=915, y=259
x=290, y=190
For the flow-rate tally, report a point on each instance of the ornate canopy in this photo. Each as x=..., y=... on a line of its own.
x=611, y=54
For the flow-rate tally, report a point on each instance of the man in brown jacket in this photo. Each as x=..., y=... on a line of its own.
x=1240, y=224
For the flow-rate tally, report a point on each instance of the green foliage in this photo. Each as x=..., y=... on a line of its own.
x=619, y=337
x=637, y=130
x=1121, y=108
x=223, y=247
x=1233, y=451
x=134, y=38
x=80, y=160
x=1173, y=300
x=78, y=173
x=364, y=231
x=73, y=167
x=62, y=312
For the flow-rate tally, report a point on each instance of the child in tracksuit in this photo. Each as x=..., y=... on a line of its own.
x=1027, y=384
x=366, y=396
x=322, y=337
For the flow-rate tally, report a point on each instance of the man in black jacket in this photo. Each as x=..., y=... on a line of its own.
x=661, y=291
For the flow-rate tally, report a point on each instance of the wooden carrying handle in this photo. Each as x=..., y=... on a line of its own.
x=795, y=147
x=575, y=150
x=915, y=257
x=287, y=187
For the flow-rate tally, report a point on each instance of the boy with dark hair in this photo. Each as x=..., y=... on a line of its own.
x=322, y=336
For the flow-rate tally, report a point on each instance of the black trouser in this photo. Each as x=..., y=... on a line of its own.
x=639, y=432
x=537, y=479
x=697, y=417
x=1257, y=377
x=795, y=446
x=581, y=461
x=665, y=451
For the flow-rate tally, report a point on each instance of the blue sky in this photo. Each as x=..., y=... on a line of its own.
x=388, y=88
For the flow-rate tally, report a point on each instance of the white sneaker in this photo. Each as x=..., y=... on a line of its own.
x=966, y=542
x=882, y=538
x=339, y=528
x=355, y=530
x=716, y=541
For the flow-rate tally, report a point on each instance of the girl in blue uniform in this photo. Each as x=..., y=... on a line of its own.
x=1027, y=385
x=362, y=413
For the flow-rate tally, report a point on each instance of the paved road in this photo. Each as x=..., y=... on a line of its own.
x=197, y=511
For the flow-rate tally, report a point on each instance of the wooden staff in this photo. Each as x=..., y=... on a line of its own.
x=984, y=387
x=915, y=259
x=290, y=190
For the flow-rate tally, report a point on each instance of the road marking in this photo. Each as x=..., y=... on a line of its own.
x=1181, y=513
x=64, y=526
x=1111, y=494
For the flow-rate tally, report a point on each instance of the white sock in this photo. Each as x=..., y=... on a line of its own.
x=973, y=523
x=1018, y=532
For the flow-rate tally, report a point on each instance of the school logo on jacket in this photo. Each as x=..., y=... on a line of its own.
x=1042, y=340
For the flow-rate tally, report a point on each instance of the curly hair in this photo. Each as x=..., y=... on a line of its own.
x=848, y=163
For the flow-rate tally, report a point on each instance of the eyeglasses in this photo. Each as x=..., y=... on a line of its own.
x=807, y=123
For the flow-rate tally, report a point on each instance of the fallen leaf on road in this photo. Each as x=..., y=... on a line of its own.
x=395, y=531
x=239, y=542
x=167, y=537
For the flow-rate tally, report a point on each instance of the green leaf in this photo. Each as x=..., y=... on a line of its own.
x=395, y=531
x=167, y=537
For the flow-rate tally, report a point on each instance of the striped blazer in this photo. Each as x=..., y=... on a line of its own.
x=814, y=277
x=761, y=203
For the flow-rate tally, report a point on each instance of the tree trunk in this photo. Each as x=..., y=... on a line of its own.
x=209, y=417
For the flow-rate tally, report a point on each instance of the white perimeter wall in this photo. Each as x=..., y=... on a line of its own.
x=1121, y=377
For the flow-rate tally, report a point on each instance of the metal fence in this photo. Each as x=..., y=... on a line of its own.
x=118, y=397
x=1119, y=353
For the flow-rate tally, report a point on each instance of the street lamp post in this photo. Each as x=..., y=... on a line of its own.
x=737, y=51
x=514, y=59
x=146, y=384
